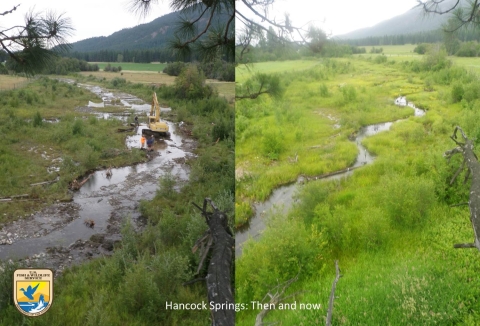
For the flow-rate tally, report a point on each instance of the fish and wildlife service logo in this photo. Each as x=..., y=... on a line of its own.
x=33, y=290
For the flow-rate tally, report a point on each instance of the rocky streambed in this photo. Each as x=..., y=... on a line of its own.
x=67, y=233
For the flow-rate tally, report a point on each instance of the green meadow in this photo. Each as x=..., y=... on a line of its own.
x=391, y=225
x=130, y=66
x=280, y=139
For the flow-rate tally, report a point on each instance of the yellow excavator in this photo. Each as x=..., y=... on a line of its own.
x=155, y=124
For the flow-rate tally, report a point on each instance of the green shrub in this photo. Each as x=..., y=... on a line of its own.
x=407, y=200
x=174, y=68
x=78, y=127
x=349, y=93
x=190, y=84
x=324, y=91
x=457, y=92
x=272, y=144
x=286, y=248
x=37, y=120
x=118, y=82
x=167, y=186
x=380, y=59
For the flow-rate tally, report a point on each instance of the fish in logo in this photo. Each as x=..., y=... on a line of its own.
x=33, y=291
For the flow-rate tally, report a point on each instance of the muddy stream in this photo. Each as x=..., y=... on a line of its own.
x=282, y=198
x=58, y=237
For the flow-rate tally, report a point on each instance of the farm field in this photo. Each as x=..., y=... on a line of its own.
x=391, y=224
x=225, y=89
x=8, y=82
x=131, y=66
x=243, y=72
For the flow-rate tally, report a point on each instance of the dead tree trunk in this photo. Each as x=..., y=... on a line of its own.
x=473, y=169
x=218, y=279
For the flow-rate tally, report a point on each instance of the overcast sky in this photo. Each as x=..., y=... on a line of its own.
x=338, y=17
x=89, y=18
x=103, y=17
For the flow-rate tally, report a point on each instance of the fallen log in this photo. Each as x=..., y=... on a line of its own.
x=18, y=196
x=14, y=197
x=326, y=175
x=75, y=185
x=219, y=284
x=470, y=160
x=44, y=183
x=125, y=129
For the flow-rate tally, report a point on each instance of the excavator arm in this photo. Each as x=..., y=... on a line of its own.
x=156, y=125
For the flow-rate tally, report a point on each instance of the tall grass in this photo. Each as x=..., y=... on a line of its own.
x=306, y=131
x=390, y=224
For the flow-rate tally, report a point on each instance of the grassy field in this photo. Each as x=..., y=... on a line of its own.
x=390, y=225
x=277, y=140
x=8, y=82
x=406, y=49
x=243, y=72
x=130, y=66
x=225, y=89
x=399, y=53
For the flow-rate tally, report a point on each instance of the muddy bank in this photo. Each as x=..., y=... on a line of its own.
x=282, y=198
x=58, y=236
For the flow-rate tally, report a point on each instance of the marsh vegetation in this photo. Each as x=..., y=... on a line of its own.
x=390, y=224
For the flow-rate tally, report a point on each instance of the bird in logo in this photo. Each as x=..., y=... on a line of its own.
x=30, y=291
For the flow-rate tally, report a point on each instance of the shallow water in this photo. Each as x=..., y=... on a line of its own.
x=105, y=201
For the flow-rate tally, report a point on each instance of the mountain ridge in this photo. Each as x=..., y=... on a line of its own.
x=153, y=35
x=409, y=22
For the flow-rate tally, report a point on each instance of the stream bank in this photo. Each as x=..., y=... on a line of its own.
x=58, y=236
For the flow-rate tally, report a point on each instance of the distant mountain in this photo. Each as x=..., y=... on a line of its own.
x=412, y=21
x=152, y=35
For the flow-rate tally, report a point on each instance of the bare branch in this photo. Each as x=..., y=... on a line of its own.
x=461, y=204
x=432, y=6
x=9, y=11
x=463, y=16
x=457, y=173
x=332, y=295
x=276, y=296
x=464, y=245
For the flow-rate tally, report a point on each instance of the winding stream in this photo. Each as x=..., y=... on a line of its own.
x=281, y=198
x=58, y=236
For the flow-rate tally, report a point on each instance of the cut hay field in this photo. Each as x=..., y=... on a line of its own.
x=12, y=82
x=144, y=77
